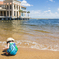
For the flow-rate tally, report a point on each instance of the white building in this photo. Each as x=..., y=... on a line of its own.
x=10, y=8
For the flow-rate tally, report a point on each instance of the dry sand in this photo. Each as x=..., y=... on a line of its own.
x=27, y=53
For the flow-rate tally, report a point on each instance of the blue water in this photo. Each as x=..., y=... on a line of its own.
x=50, y=25
x=34, y=33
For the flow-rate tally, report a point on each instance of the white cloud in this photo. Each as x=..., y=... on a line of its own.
x=44, y=14
x=24, y=3
x=58, y=9
x=51, y=0
x=47, y=11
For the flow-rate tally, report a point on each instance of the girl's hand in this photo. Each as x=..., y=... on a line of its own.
x=3, y=48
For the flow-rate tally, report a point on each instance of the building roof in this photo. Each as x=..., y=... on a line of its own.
x=1, y=2
x=23, y=6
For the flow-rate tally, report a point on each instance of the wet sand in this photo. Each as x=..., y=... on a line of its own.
x=27, y=53
x=34, y=34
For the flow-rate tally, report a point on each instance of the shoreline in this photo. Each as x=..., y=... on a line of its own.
x=28, y=53
x=44, y=18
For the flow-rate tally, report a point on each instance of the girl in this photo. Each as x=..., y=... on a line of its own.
x=11, y=47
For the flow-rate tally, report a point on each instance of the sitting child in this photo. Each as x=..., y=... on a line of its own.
x=11, y=47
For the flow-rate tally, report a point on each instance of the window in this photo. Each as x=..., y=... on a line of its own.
x=7, y=6
x=4, y=13
x=1, y=13
x=10, y=13
x=17, y=6
x=14, y=6
x=17, y=14
x=14, y=13
x=10, y=6
x=21, y=14
x=7, y=13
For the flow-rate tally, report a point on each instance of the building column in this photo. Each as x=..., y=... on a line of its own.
x=6, y=5
x=18, y=13
x=16, y=6
x=9, y=6
x=20, y=7
x=12, y=9
x=9, y=13
x=9, y=9
x=6, y=10
x=18, y=10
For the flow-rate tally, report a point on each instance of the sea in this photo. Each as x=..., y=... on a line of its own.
x=41, y=34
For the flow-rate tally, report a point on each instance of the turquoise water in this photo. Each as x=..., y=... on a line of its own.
x=40, y=34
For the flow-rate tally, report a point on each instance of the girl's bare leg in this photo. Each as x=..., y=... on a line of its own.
x=7, y=52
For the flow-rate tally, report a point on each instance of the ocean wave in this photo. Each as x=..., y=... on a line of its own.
x=42, y=31
x=33, y=45
x=30, y=24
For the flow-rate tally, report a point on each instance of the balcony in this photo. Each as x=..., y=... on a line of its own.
x=24, y=17
x=23, y=10
x=2, y=9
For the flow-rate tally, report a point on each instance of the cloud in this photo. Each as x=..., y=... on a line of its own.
x=44, y=14
x=51, y=0
x=58, y=9
x=24, y=3
x=47, y=11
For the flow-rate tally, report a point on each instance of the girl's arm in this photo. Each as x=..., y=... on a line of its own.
x=6, y=47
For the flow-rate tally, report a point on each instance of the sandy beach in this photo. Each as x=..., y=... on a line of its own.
x=36, y=39
x=27, y=53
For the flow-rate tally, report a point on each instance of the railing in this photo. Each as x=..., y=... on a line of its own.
x=24, y=17
x=2, y=7
x=4, y=16
x=23, y=10
x=14, y=17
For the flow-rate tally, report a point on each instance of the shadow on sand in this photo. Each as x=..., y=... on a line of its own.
x=4, y=54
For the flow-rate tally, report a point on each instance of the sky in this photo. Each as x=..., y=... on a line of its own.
x=42, y=8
